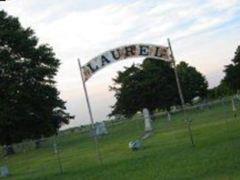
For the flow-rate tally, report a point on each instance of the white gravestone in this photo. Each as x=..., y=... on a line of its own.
x=55, y=148
x=233, y=105
x=100, y=129
x=169, y=116
x=135, y=145
x=147, y=120
x=4, y=171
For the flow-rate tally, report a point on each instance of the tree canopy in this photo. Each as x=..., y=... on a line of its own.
x=29, y=101
x=152, y=85
x=232, y=72
x=193, y=83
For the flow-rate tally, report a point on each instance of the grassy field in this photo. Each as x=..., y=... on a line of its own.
x=168, y=154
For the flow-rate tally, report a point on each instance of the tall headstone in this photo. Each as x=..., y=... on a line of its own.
x=147, y=120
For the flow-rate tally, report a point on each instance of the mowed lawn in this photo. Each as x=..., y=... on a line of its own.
x=168, y=154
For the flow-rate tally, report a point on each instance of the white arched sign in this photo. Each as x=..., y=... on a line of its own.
x=124, y=52
x=135, y=50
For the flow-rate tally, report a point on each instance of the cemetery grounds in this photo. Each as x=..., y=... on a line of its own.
x=168, y=154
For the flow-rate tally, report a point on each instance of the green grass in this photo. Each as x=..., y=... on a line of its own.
x=168, y=154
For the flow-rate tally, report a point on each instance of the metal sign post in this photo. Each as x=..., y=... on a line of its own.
x=181, y=94
x=56, y=151
x=90, y=113
x=234, y=109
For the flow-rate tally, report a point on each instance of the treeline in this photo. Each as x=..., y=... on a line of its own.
x=230, y=84
x=152, y=85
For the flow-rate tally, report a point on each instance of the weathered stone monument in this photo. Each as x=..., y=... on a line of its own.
x=100, y=129
x=233, y=105
x=234, y=109
x=147, y=120
x=148, y=129
x=135, y=145
x=4, y=171
x=169, y=116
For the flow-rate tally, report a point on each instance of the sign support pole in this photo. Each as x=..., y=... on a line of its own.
x=234, y=109
x=90, y=113
x=56, y=150
x=180, y=93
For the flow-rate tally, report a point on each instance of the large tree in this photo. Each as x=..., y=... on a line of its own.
x=30, y=106
x=152, y=85
x=193, y=83
x=232, y=77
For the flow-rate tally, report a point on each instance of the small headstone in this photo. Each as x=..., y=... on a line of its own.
x=203, y=105
x=200, y=107
x=196, y=100
x=169, y=116
x=55, y=148
x=39, y=142
x=4, y=171
x=100, y=129
x=8, y=149
x=174, y=109
x=135, y=145
x=233, y=105
x=237, y=96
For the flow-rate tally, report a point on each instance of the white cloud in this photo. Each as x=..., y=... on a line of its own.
x=224, y=4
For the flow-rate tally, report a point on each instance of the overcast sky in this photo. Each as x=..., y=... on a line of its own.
x=204, y=33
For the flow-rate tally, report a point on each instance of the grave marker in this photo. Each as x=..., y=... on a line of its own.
x=147, y=120
x=4, y=171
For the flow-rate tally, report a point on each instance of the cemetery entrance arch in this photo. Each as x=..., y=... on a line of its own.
x=124, y=52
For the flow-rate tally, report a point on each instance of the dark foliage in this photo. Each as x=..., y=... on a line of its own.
x=232, y=77
x=152, y=85
x=193, y=83
x=29, y=102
